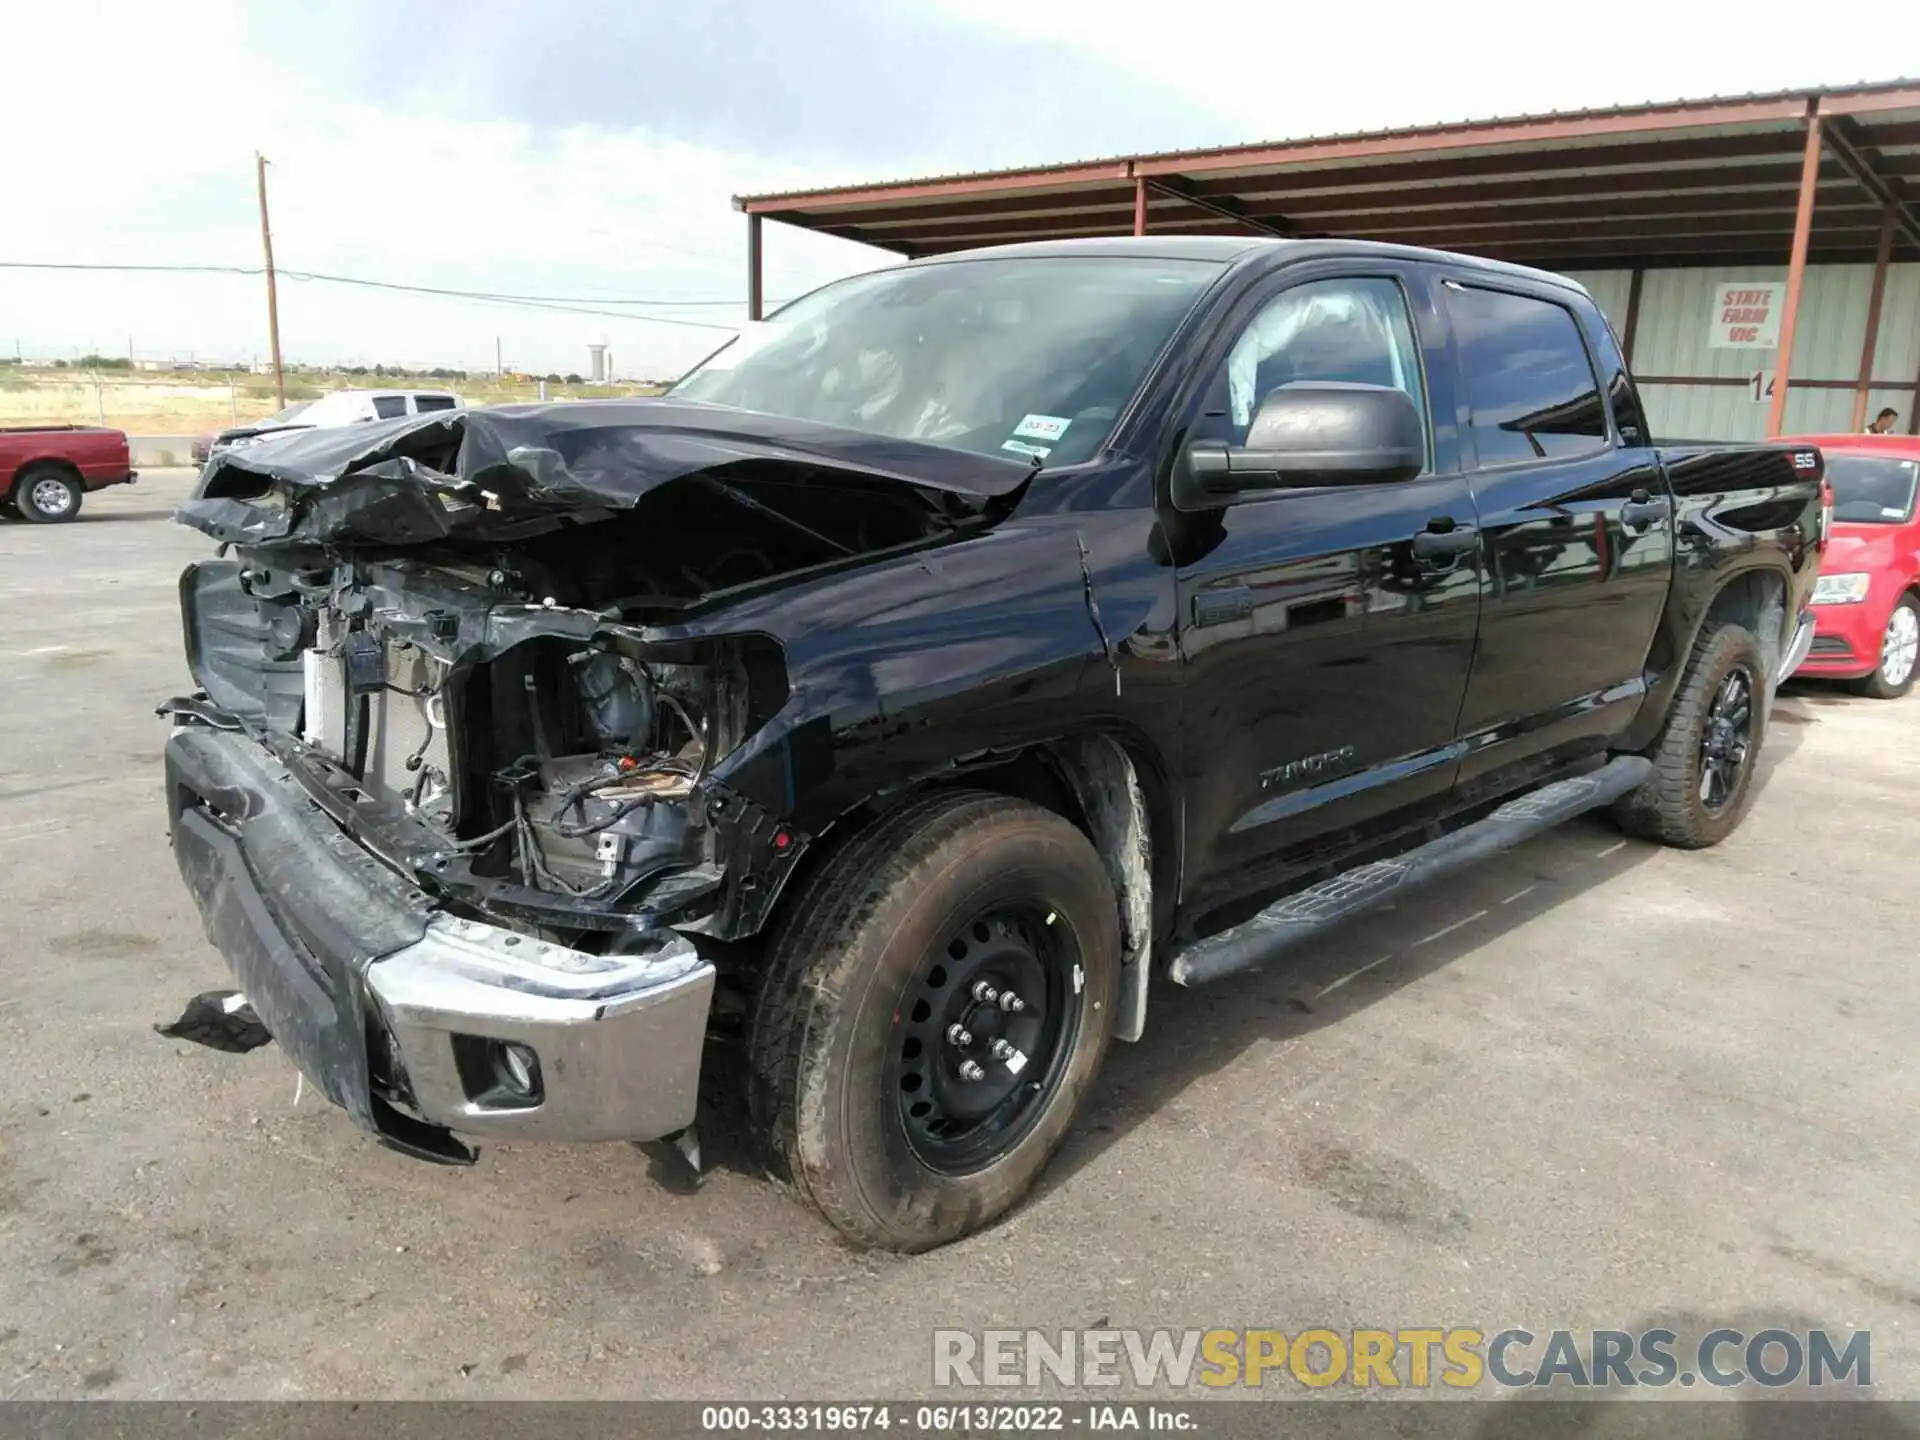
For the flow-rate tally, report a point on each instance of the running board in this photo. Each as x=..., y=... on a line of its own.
x=1307, y=913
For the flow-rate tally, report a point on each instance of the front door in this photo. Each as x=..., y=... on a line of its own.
x=1326, y=633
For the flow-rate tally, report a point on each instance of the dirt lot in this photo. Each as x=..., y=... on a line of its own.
x=1593, y=1084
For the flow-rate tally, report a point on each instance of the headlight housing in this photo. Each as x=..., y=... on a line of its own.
x=1841, y=589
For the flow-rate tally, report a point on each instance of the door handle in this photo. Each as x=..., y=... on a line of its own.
x=1643, y=510
x=1443, y=540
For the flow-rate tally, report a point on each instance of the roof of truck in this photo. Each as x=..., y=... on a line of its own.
x=1227, y=249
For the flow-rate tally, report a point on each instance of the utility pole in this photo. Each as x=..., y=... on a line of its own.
x=273, y=299
x=499, y=370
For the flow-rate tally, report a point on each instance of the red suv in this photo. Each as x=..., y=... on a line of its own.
x=1867, y=601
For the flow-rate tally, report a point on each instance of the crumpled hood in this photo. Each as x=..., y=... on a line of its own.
x=488, y=471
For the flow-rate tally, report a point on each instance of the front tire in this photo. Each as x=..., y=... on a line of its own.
x=901, y=1092
x=1703, y=762
x=1899, y=650
x=47, y=494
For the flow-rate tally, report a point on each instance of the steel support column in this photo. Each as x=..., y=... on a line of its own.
x=754, y=292
x=1796, y=271
x=1633, y=315
x=1140, y=205
x=1875, y=296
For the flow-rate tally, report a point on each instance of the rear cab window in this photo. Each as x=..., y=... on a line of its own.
x=423, y=403
x=1529, y=380
x=389, y=407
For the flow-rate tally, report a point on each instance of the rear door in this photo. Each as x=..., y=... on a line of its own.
x=1576, y=521
x=1326, y=633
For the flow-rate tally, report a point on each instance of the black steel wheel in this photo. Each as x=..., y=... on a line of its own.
x=982, y=1040
x=937, y=1003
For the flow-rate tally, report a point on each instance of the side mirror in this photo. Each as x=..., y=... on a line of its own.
x=1309, y=433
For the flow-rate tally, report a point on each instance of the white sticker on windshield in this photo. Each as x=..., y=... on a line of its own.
x=1021, y=447
x=1042, y=427
x=1892, y=512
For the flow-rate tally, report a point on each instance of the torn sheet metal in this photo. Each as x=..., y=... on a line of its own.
x=1108, y=788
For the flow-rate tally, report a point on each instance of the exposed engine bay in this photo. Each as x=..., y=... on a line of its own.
x=489, y=669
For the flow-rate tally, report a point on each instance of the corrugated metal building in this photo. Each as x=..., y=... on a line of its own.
x=1694, y=390
x=1654, y=206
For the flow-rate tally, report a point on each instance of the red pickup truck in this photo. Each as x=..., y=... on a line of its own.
x=45, y=469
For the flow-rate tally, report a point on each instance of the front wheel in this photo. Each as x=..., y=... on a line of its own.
x=1703, y=762
x=1899, y=649
x=935, y=1009
x=47, y=494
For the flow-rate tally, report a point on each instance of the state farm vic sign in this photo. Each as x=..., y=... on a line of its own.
x=1746, y=315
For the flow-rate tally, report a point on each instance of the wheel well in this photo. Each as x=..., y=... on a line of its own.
x=1114, y=796
x=66, y=467
x=1756, y=600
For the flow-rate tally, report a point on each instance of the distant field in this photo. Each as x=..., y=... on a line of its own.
x=173, y=403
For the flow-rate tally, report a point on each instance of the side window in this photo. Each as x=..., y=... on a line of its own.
x=1345, y=329
x=1529, y=381
x=389, y=407
x=424, y=403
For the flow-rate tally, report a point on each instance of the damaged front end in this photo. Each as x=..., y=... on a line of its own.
x=476, y=753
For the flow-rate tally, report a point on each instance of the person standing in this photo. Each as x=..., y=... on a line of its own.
x=1883, y=422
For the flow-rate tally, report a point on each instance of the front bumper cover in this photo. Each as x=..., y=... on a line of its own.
x=383, y=1000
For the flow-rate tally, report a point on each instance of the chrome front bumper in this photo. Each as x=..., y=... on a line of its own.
x=401, y=1013
x=615, y=1041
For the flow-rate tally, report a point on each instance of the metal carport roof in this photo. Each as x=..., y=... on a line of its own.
x=1641, y=185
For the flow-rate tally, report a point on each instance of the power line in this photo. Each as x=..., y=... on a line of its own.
x=354, y=280
x=526, y=302
x=567, y=304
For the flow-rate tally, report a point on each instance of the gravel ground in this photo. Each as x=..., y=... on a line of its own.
x=1592, y=1084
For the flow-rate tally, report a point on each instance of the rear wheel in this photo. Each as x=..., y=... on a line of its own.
x=1703, y=762
x=48, y=494
x=1899, y=650
x=935, y=1009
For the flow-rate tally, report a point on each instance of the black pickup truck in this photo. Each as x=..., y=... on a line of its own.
x=933, y=664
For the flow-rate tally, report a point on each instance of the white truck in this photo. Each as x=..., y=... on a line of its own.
x=341, y=407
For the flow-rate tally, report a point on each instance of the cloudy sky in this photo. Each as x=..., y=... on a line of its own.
x=589, y=150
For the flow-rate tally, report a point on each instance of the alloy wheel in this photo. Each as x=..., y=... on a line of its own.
x=1726, y=741
x=51, y=497
x=1901, y=646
